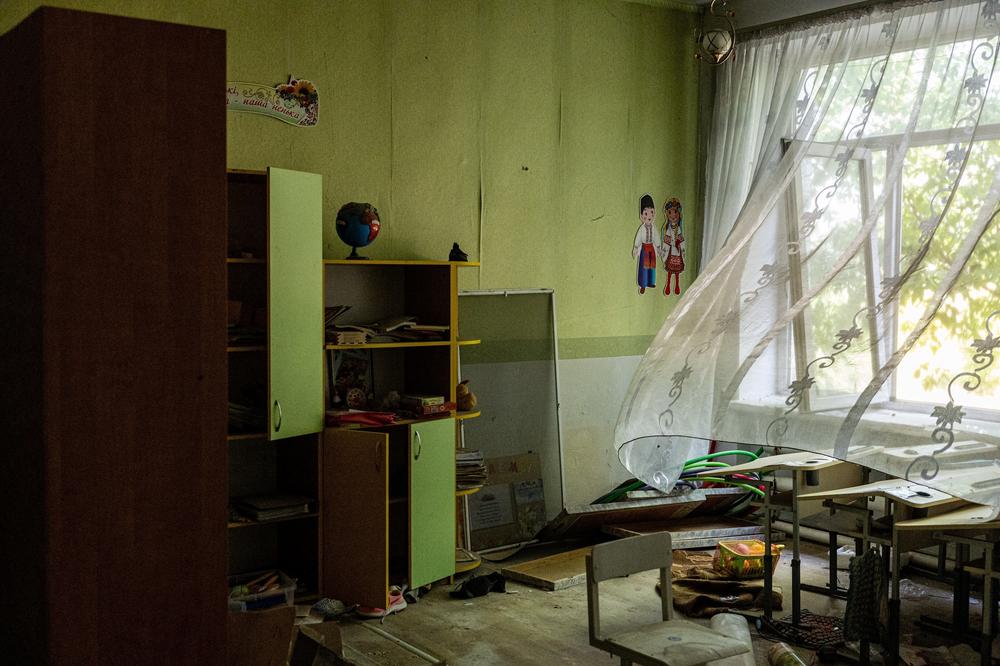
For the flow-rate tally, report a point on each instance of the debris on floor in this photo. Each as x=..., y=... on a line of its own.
x=956, y=655
x=781, y=654
x=701, y=591
x=479, y=586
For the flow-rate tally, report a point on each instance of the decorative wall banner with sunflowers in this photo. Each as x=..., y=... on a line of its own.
x=295, y=102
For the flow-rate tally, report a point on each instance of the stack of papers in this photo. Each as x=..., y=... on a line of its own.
x=470, y=469
x=395, y=328
x=350, y=338
x=273, y=507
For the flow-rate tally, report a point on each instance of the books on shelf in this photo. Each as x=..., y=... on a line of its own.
x=418, y=399
x=395, y=328
x=273, y=507
x=431, y=328
x=390, y=324
x=331, y=313
x=364, y=329
x=470, y=469
x=350, y=338
x=427, y=410
x=411, y=334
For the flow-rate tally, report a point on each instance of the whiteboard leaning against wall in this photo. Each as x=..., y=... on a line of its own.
x=514, y=373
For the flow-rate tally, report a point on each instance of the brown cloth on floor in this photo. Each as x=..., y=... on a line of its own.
x=701, y=591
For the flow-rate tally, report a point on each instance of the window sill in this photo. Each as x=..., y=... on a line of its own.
x=886, y=426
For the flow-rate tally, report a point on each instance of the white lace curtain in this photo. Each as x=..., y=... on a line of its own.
x=850, y=304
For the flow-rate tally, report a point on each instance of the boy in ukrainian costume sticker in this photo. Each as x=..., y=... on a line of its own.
x=645, y=248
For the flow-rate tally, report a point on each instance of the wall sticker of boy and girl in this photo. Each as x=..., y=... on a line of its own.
x=668, y=245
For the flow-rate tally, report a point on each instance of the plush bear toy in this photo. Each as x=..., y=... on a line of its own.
x=465, y=398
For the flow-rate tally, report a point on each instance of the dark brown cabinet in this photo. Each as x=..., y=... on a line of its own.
x=113, y=367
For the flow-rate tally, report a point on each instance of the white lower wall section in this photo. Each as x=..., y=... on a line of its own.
x=591, y=392
x=518, y=405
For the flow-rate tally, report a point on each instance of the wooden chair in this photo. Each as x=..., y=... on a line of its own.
x=669, y=643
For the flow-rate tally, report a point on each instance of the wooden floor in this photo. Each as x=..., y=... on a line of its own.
x=530, y=626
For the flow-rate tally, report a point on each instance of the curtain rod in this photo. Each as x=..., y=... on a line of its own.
x=832, y=15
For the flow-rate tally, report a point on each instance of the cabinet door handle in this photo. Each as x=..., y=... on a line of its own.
x=276, y=415
x=419, y=445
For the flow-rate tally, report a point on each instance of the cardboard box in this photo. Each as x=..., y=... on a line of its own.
x=511, y=508
x=260, y=638
x=322, y=641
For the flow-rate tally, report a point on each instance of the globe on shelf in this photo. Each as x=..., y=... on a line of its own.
x=357, y=225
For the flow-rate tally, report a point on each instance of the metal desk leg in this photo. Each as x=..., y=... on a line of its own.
x=832, y=587
x=960, y=614
x=993, y=591
x=986, y=641
x=958, y=628
x=768, y=575
x=960, y=610
x=834, y=583
x=860, y=546
x=864, y=644
x=894, y=604
x=796, y=562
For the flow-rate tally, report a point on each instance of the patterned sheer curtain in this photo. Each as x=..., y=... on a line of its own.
x=852, y=306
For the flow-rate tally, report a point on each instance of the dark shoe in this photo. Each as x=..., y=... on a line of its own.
x=479, y=586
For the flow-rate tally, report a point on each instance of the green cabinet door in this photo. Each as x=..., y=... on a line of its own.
x=295, y=302
x=432, y=501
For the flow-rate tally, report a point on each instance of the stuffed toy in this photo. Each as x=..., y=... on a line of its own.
x=465, y=398
x=390, y=403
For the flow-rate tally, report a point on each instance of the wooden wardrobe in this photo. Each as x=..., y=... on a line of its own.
x=113, y=324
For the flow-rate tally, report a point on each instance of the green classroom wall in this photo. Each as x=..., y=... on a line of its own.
x=524, y=130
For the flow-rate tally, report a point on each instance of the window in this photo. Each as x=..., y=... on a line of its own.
x=908, y=180
x=946, y=350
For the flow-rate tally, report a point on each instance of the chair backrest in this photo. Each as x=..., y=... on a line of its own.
x=620, y=558
x=627, y=556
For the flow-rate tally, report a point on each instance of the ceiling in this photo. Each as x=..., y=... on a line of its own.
x=751, y=13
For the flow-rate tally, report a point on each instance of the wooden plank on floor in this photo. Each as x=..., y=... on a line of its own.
x=555, y=572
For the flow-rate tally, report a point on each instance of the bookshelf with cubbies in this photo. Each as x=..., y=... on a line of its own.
x=275, y=400
x=389, y=492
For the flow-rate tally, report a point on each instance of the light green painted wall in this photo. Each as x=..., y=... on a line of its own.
x=526, y=130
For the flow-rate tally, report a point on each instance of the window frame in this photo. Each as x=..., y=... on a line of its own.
x=887, y=321
x=797, y=277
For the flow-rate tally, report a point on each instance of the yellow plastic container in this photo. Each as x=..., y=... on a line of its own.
x=730, y=561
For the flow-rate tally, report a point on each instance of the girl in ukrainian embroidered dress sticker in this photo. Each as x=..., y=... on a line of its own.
x=645, y=249
x=672, y=247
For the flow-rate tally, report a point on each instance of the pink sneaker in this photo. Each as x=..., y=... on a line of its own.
x=396, y=604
